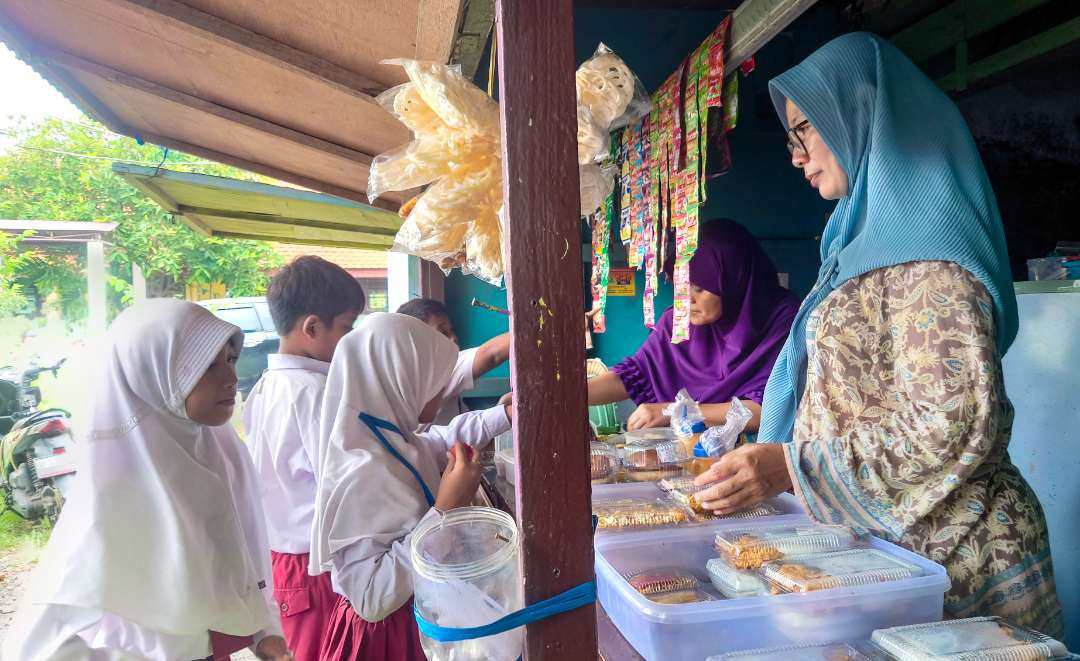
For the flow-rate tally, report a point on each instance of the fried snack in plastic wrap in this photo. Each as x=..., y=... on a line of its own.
x=455, y=148
x=593, y=140
x=605, y=85
x=595, y=182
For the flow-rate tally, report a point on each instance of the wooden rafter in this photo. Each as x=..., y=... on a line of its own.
x=183, y=17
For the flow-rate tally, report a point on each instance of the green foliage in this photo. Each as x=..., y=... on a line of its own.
x=48, y=177
x=12, y=298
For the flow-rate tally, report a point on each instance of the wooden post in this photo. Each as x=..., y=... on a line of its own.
x=95, y=286
x=543, y=274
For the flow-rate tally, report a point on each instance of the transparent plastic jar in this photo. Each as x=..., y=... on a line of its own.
x=603, y=463
x=465, y=574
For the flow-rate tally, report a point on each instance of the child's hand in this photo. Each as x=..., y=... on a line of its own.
x=507, y=401
x=460, y=479
x=273, y=648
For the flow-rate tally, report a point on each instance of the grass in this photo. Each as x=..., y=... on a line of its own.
x=20, y=540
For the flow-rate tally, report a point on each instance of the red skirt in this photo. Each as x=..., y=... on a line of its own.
x=350, y=638
x=304, y=603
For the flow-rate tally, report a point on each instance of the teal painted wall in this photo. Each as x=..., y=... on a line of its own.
x=762, y=191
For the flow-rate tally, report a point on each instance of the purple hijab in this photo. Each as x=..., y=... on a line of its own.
x=733, y=356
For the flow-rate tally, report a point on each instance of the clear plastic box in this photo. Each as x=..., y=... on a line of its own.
x=505, y=463
x=830, y=652
x=750, y=548
x=638, y=513
x=652, y=460
x=786, y=507
x=694, y=631
x=603, y=462
x=735, y=583
x=976, y=638
x=821, y=571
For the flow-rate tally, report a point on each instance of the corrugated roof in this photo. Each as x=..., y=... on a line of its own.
x=346, y=258
x=220, y=206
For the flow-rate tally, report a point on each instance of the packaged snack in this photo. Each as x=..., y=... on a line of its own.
x=633, y=513
x=680, y=483
x=735, y=583
x=971, y=639
x=603, y=462
x=456, y=149
x=612, y=93
x=830, y=652
x=649, y=461
x=759, y=510
x=681, y=597
x=821, y=571
x=750, y=548
x=596, y=182
x=662, y=579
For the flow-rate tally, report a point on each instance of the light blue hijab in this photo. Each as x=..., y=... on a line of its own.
x=917, y=190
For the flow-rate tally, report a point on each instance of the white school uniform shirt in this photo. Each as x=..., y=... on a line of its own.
x=162, y=538
x=368, y=501
x=454, y=421
x=281, y=417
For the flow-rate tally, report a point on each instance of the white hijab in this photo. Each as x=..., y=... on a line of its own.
x=163, y=527
x=389, y=367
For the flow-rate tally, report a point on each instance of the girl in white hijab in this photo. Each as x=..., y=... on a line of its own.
x=160, y=552
x=377, y=481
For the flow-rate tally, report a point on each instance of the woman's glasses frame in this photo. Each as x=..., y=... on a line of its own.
x=795, y=138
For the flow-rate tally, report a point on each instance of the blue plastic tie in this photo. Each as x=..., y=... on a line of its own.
x=374, y=424
x=575, y=597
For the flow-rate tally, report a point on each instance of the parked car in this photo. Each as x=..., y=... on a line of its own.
x=252, y=315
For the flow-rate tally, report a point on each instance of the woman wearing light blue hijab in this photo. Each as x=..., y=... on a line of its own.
x=890, y=386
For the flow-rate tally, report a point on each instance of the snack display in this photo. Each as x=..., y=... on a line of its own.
x=603, y=461
x=983, y=638
x=761, y=509
x=637, y=513
x=750, y=549
x=820, y=571
x=456, y=148
x=735, y=583
x=831, y=652
x=648, y=461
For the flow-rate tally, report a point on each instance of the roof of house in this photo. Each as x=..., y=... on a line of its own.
x=346, y=258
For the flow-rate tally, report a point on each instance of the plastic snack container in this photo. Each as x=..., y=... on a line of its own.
x=604, y=463
x=821, y=571
x=638, y=513
x=652, y=460
x=830, y=652
x=695, y=630
x=974, y=639
x=749, y=548
x=735, y=583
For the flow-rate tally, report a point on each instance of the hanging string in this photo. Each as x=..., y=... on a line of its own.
x=491, y=61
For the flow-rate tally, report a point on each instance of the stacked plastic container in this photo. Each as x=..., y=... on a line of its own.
x=689, y=591
x=973, y=639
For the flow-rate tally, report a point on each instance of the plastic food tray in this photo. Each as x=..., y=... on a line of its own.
x=976, y=638
x=750, y=548
x=831, y=652
x=505, y=463
x=603, y=462
x=821, y=571
x=636, y=513
x=694, y=631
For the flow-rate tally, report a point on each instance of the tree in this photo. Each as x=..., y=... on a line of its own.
x=61, y=170
x=12, y=297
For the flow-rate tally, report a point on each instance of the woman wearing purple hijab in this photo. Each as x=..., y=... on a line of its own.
x=739, y=319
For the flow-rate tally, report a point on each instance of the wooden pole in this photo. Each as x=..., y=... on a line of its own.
x=543, y=274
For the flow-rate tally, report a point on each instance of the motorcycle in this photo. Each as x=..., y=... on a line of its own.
x=36, y=466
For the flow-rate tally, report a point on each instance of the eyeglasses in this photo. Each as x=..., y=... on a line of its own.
x=795, y=137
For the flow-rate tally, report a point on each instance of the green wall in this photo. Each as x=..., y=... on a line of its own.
x=762, y=191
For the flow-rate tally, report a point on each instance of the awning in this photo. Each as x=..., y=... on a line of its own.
x=218, y=206
x=284, y=88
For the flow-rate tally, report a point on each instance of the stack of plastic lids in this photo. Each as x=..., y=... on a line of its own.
x=830, y=652
x=604, y=463
x=976, y=638
x=744, y=551
x=821, y=571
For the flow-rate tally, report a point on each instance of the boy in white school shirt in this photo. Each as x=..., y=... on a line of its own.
x=473, y=428
x=313, y=303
